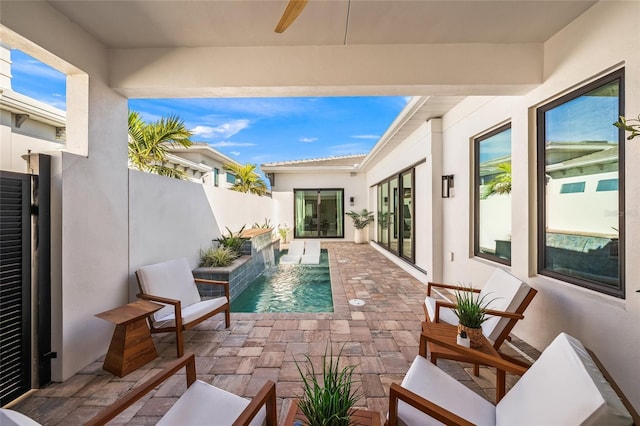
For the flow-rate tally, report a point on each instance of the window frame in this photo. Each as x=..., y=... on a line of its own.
x=400, y=219
x=295, y=213
x=476, y=195
x=601, y=287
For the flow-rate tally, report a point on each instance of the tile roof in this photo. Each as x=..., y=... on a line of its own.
x=337, y=161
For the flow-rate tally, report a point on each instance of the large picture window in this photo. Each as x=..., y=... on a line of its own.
x=581, y=187
x=492, y=218
x=319, y=213
x=395, y=214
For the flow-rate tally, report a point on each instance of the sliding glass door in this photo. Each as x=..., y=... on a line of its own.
x=395, y=214
x=319, y=213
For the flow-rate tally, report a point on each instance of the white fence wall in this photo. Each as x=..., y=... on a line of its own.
x=170, y=218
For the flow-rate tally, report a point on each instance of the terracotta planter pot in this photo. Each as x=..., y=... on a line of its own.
x=474, y=335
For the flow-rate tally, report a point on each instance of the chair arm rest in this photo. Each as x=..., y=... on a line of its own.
x=505, y=314
x=442, y=303
x=188, y=361
x=225, y=284
x=267, y=397
x=477, y=356
x=160, y=299
x=443, y=415
x=450, y=287
x=212, y=282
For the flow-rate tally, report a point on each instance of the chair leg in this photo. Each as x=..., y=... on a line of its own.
x=476, y=370
x=227, y=317
x=179, y=342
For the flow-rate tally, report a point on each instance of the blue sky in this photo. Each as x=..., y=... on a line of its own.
x=254, y=130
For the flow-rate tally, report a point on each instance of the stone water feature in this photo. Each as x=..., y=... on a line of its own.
x=258, y=253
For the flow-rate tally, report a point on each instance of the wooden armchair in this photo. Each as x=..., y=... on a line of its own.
x=509, y=297
x=201, y=403
x=566, y=385
x=173, y=284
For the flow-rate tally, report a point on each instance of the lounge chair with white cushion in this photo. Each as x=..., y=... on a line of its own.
x=509, y=296
x=565, y=386
x=294, y=254
x=201, y=403
x=311, y=254
x=173, y=284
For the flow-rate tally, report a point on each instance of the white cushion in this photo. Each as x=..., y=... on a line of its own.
x=172, y=279
x=563, y=387
x=506, y=293
x=204, y=404
x=296, y=248
x=14, y=418
x=192, y=312
x=446, y=314
x=433, y=384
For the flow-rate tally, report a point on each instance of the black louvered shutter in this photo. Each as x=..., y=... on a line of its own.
x=15, y=285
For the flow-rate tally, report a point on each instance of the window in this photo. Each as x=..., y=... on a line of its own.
x=570, y=188
x=581, y=236
x=607, y=185
x=231, y=178
x=492, y=195
x=216, y=176
x=395, y=214
x=319, y=213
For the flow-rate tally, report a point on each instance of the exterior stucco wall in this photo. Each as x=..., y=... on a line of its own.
x=354, y=186
x=90, y=261
x=604, y=37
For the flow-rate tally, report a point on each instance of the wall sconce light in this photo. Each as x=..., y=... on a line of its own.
x=447, y=184
x=20, y=118
x=352, y=201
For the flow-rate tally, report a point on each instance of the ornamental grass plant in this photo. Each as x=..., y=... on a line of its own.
x=217, y=257
x=328, y=399
x=471, y=309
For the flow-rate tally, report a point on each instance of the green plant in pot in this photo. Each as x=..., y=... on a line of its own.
x=217, y=257
x=328, y=398
x=360, y=221
x=471, y=310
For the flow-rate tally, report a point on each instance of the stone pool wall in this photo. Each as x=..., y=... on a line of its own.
x=258, y=252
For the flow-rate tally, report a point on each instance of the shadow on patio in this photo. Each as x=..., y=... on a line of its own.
x=381, y=338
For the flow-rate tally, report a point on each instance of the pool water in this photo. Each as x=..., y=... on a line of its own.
x=289, y=288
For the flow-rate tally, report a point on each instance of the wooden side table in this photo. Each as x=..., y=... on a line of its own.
x=448, y=333
x=131, y=345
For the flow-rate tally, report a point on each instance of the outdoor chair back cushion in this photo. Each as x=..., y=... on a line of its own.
x=171, y=279
x=14, y=418
x=563, y=387
x=203, y=404
x=430, y=382
x=506, y=293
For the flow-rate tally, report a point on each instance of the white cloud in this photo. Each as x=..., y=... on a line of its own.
x=308, y=140
x=225, y=144
x=221, y=131
x=35, y=68
x=236, y=153
x=366, y=136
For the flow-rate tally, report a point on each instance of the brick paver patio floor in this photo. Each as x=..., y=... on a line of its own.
x=380, y=338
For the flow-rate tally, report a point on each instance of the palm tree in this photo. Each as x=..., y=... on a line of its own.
x=501, y=183
x=247, y=180
x=148, y=143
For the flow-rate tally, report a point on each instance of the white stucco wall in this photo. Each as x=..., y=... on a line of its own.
x=354, y=186
x=91, y=255
x=419, y=149
x=606, y=36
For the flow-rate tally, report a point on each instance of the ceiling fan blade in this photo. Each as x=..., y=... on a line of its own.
x=290, y=14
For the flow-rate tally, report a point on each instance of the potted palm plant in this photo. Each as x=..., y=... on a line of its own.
x=471, y=310
x=328, y=399
x=361, y=220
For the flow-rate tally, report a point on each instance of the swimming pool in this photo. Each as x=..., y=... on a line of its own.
x=289, y=288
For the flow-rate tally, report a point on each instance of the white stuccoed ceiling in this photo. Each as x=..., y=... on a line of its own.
x=127, y=24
